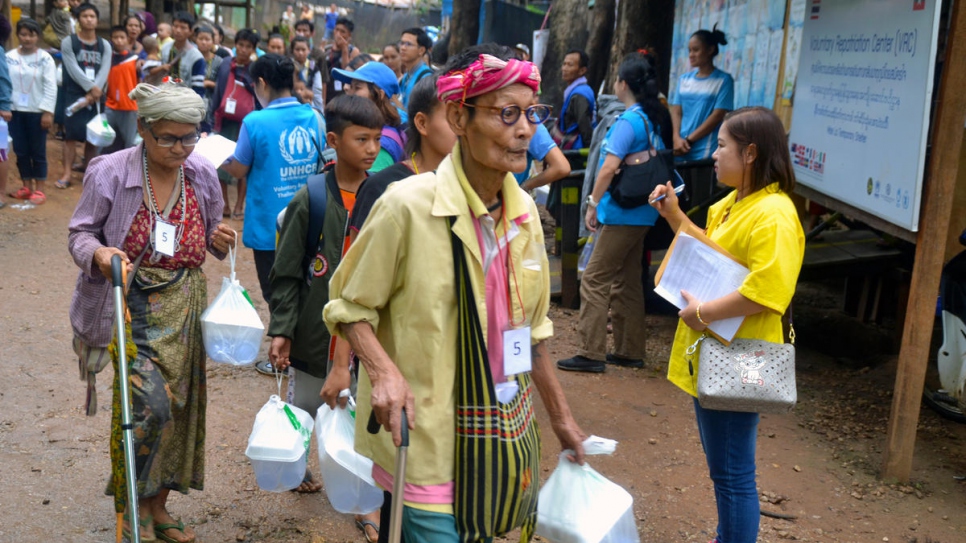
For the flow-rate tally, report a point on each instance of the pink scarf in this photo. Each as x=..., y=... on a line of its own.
x=486, y=74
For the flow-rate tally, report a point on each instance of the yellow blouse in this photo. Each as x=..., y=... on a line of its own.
x=764, y=233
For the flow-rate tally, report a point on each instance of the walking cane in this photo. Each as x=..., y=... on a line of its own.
x=399, y=478
x=119, y=278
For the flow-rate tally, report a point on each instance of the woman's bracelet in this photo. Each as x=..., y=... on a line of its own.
x=697, y=313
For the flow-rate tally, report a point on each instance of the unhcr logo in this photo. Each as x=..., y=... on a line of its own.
x=297, y=146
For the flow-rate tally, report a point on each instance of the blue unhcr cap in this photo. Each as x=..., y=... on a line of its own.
x=373, y=72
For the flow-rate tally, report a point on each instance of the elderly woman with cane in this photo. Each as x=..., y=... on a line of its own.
x=450, y=268
x=159, y=209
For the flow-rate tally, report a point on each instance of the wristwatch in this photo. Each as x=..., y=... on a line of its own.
x=590, y=200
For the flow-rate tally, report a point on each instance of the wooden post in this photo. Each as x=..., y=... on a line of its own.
x=930, y=253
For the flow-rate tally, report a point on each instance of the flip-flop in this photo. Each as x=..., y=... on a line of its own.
x=62, y=184
x=23, y=193
x=38, y=198
x=144, y=523
x=238, y=216
x=307, y=480
x=159, y=530
x=361, y=524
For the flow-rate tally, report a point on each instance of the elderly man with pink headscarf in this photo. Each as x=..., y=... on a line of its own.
x=444, y=297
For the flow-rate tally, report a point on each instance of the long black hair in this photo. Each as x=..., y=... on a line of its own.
x=423, y=100
x=276, y=70
x=639, y=75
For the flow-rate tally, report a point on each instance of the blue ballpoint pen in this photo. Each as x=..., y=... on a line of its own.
x=677, y=190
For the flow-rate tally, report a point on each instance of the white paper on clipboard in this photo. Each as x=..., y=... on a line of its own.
x=705, y=273
x=215, y=148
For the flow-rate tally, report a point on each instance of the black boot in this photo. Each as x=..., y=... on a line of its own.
x=581, y=363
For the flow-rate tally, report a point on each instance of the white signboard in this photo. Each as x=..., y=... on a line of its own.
x=864, y=90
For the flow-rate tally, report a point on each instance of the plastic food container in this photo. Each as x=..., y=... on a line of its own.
x=278, y=451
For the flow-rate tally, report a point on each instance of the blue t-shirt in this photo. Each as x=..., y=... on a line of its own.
x=626, y=136
x=698, y=97
x=280, y=145
x=540, y=144
x=408, y=81
x=330, y=19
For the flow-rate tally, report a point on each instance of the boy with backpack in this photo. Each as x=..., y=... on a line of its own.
x=312, y=239
x=86, y=65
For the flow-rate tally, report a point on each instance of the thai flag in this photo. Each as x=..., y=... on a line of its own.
x=816, y=6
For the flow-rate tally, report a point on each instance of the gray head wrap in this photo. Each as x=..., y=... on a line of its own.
x=168, y=102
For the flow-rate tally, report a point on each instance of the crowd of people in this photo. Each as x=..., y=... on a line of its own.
x=429, y=246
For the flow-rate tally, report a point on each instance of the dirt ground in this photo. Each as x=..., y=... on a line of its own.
x=817, y=465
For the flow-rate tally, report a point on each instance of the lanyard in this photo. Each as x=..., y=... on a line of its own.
x=23, y=68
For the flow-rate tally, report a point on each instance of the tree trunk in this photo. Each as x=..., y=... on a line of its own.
x=603, y=17
x=568, y=30
x=643, y=23
x=465, y=24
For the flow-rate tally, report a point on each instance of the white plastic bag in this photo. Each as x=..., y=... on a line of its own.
x=99, y=132
x=346, y=474
x=579, y=505
x=230, y=327
x=278, y=446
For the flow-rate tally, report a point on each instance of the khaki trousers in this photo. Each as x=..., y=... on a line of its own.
x=612, y=280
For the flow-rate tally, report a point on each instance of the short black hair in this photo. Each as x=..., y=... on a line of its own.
x=347, y=110
x=204, y=29
x=347, y=23
x=584, y=59
x=300, y=39
x=359, y=62
x=248, y=34
x=422, y=38
x=87, y=6
x=275, y=36
x=115, y=28
x=278, y=71
x=28, y=24
x=217, y=28
x=305, y=22
x=183, y=17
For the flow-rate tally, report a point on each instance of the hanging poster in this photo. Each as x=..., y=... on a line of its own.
x=862, y=102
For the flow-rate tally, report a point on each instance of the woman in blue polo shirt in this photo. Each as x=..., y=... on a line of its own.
x=702, y=98
x=278, y=149
x=612, y=280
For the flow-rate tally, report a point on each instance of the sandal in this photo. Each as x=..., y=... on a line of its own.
x=38, y=198
x=238, y=216
x=62, y=183
x=23, y=193
x=144, y=523
x=362, y=524
x=159, y=530
x=309, y=480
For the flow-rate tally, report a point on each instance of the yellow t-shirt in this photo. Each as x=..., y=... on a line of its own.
x=764, y=233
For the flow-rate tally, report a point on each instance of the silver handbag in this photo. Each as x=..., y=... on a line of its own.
x=749, y=375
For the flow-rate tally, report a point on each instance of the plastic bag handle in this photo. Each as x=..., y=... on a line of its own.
x=231, y=258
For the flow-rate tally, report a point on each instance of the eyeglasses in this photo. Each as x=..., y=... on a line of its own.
x=535, y=114
x=168, y=141
x=406, y=44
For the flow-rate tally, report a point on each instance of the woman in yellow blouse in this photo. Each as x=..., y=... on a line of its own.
x=758, y=224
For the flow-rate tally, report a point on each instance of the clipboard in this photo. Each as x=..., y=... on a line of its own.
x=729, y=275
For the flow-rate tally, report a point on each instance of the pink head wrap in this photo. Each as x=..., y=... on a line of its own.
x=486, y=74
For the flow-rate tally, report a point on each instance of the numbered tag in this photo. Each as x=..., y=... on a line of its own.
x=338, y=86
x=164, y=237
x=23, y=99
x=89, y=73
x=516, y=351
x=230, y=106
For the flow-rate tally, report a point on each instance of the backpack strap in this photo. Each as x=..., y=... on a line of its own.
x=318, y=196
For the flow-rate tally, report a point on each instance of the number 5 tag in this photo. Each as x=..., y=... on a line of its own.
x=516, y=351
x=164, y=234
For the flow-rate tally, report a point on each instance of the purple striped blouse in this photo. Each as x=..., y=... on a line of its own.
x=113, y=192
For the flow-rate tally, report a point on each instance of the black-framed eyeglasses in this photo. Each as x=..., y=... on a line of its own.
x=168, y=141
x=535, y=114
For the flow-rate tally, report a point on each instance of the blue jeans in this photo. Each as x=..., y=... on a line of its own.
x=728, y=439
